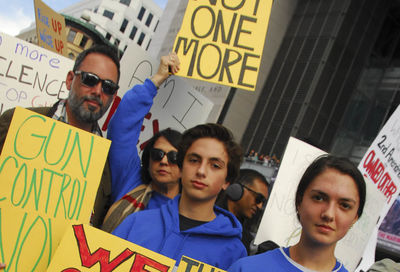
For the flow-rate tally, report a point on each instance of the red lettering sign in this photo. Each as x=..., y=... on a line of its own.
x=100, y=256
x=376, y=171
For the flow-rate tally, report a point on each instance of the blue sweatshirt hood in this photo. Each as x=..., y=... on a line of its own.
x=216, y=243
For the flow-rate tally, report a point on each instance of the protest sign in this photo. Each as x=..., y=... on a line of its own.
x=30, y=76
x=222, y=41
x=191, y=265
x=91, y=249
x=50, y=28
x=381, y=165
x=381, y=169
x=177, y=105
x=285, y=229
x=49, y=175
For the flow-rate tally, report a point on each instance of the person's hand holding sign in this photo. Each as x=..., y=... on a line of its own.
x=168, y=65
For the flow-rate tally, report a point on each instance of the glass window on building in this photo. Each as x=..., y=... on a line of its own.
x=156, y=25
x=133, y=33
x=108, y=36
x=141, y=38
x=71, y=36
x=83, y=41
x=116, y=42
x=141, y=13
x=123, y=26
x=147, y=47
x=108, y=14
x=149, y=19
x=125, y=2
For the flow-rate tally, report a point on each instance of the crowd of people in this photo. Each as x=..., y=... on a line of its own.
x=267, y=160
x=186, y=195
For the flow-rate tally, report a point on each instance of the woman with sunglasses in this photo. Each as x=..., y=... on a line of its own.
x=136, y=184
x=329, y=200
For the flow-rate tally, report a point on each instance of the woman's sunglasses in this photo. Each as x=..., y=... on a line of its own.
x=91, y=80
x=158, y=154
x=259, y=197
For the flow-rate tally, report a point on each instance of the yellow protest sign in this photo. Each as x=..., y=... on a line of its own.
x=222, y=41
x=91, y=249
x=191, y=265
x=49, y=175
x=50, y=28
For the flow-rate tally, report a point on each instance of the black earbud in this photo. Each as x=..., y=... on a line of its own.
x=234, y=191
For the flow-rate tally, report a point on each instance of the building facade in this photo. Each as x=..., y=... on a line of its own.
x=81, y=36
x=125, y=21
x=328, y=83
x=238, y=112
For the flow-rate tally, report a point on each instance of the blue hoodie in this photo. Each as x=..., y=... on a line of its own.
x=216, y=243
x=124, y=130
x=277, y=260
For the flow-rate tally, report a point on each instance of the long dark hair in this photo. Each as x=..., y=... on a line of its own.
x=343, y=165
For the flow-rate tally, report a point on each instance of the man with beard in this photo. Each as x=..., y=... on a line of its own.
x=92, y=85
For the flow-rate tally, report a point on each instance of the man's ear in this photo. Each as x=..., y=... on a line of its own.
x=68, y=80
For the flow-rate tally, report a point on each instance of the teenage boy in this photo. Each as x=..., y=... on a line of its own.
x=191, y=224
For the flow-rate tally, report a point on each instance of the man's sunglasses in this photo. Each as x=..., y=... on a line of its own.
x=259, y=197
x=91, y=80
x=158, y=154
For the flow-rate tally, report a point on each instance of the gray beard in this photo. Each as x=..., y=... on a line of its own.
x=88, y=116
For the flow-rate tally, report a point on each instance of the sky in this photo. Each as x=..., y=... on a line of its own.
x=16, y=15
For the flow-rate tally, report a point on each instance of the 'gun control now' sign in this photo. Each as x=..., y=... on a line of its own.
x=49, y=175
x=222, y=41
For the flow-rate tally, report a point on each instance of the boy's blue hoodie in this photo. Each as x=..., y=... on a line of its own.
x=216, y=243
